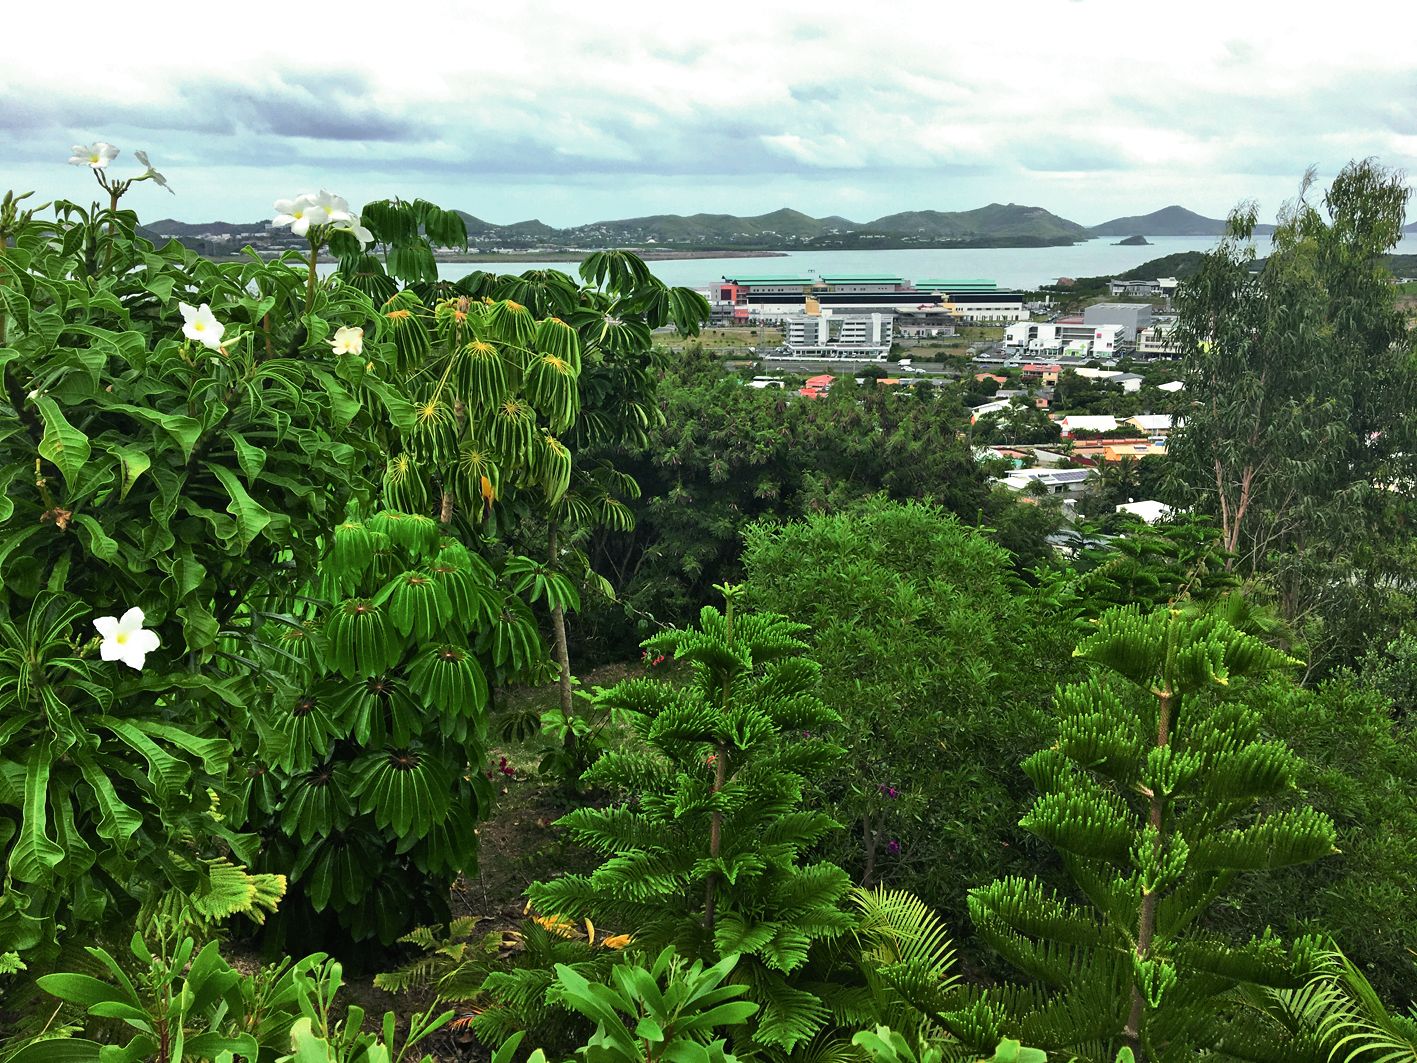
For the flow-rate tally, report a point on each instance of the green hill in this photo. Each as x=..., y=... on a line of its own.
x=1168, y=221
x=995, y=220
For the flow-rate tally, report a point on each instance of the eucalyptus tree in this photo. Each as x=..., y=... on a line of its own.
x=1299, y=431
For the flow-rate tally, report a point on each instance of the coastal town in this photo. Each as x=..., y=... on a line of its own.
x=1055, y=396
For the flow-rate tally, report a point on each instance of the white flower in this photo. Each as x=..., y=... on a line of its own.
x=200, y=324
x=356, y=227
x=126, y=639
x=298, y=214
x=98, y=155
x=348, y=341
x=151, y=174
x=330, y=209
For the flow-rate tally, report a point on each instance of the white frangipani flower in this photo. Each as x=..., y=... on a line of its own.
x=151, y=174
x=347, y=340
x=330, y=209
x=297, y=214
x=125, y=639
x=356, y=227
x=200, y=324
x=98, y=154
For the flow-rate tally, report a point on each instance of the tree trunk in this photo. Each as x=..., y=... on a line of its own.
x=1146, y=921
x=720, y=776
x=868, y=837
x=562, y=650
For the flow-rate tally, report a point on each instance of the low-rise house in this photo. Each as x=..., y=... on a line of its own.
x=1013, y=456
x=1153, y=424
x=1096, y=450
x=1067, y=482
x=985, y=408
x=1044, y=374
x=1171, y=386
x=1150, y=511
x=1128, y=382
x=1133, y=449
x=1074, y=422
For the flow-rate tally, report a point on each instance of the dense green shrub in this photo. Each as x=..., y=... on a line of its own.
x=940, y=664
x=727, y=455
x=374, y=785
x=1360, y=768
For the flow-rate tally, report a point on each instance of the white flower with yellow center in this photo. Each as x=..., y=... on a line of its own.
x=97, y=155
x=298, y=214
x=347, y=341
x=200, y=324
x=330, y=209
x=125, y=639
x=358, y=229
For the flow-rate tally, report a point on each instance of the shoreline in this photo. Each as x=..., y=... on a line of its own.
x=648, y=254
x=666, y=254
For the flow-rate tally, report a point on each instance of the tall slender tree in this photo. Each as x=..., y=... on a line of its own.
x=1159, y=790
x=1299, y=434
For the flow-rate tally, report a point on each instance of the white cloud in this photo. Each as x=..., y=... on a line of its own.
x=573, y=111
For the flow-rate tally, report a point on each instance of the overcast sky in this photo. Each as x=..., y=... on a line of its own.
x=577, y=111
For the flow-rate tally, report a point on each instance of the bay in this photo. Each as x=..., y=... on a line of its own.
x=1012, y=267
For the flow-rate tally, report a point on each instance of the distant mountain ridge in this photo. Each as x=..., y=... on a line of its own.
x=1168, y=221
x=994, y=225
x=787, y=228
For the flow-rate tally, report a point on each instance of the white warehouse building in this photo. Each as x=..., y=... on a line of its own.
x=1067, y=339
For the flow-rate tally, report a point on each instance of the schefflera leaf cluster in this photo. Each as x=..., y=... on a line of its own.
x=374, y=781
x=493, y=389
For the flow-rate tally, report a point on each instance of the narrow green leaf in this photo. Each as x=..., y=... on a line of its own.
x=252, y=459
x=132, y=462
x=185, y=431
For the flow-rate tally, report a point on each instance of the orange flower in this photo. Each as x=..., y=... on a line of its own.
x=619, y=941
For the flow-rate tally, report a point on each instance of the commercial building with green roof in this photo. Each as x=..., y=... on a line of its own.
x=771, y=279
x=970, y=285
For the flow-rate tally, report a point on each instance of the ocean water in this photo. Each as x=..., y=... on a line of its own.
x=1011, y=267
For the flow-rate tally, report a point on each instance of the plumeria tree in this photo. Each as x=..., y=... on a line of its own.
x=179, y=442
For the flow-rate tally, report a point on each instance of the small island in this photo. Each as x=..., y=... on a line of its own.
x=1133, y=241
